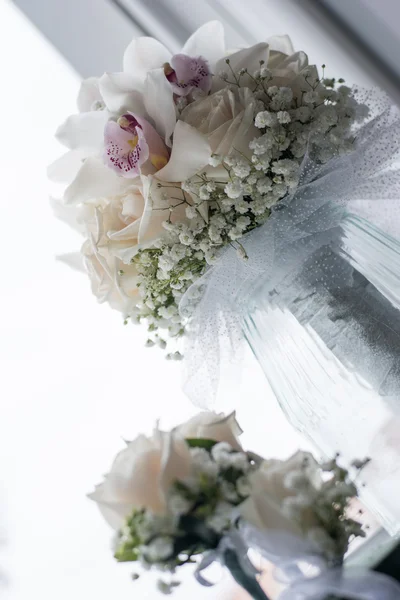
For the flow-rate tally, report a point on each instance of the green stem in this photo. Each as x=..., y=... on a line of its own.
x=248, y=583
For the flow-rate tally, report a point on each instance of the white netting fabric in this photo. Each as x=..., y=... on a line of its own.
x=365, y=181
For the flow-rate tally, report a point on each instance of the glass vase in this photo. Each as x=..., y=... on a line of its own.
x=329, y=346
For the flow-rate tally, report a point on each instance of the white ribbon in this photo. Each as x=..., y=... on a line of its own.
x=287, y=552
x=232, y=540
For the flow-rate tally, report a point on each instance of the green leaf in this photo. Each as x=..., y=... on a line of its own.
x=126, y=555
x=197, y=528
x=201, y=443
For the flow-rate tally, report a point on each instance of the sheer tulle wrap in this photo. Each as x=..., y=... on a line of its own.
x=365, y=181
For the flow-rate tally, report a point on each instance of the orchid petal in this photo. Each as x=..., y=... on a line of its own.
x=144, y=54
x=159, y=103
x=188, y=73
x=208, y=42
x=158, y=152
x=94, y=180
x=89, y=94
x=122, y=92
x=65, y=168
x=190, y=154
x=131, y=143
x=125, y=151
x=83, y=130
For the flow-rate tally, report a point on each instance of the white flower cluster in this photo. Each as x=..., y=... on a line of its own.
x=201, y=486
x=220, y=210
x=222, y=485
x=199, y=508
x=318, y=502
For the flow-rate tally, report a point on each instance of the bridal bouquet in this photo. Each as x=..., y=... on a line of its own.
x=177, y=158
x=194, y=496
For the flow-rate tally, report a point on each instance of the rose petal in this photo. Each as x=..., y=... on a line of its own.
x=122, y=92
x=262, y=512
x=208, y=41
x=159, y=103
x=74, y=260
x=84, y=130
x=89, y=94
x=248, y=58
x=113, y=512
x=213, y=426
x=281, y=43
x=94, y=180
x=281, y=63
x=144, y=54
x=129, y=232
x=175, y=460
x=157, y=209
x=190, y=154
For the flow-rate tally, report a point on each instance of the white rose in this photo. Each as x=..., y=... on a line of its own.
x=123, y=222
x=111, y=280
x=121, y=215
x=270, y=489
x=141, y=476
x=226, y=118
x=213, y=426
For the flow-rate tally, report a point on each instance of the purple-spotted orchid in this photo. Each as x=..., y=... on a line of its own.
x=132, y=146
x=143, y=88
x=186, y=73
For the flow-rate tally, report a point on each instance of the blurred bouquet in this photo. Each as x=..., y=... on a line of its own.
x=178, y=157
x=194, y=496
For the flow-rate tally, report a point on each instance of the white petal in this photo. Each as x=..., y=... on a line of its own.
x=73, y=260
x=190, y=154
x=208, y=41
x=94, y=180
x=151, y=221
x=65, y=168
x=88, y=94
x=159, y=103
x=281, y=43
x=144, y=54
x=121, y=92
x=113, y=512
x=130, y=232
x=84, y=130
x=67, y=214
x=156, y=210
x=248, y=58
x=263, y=512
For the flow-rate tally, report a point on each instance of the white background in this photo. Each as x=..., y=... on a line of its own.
x=74, y=381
